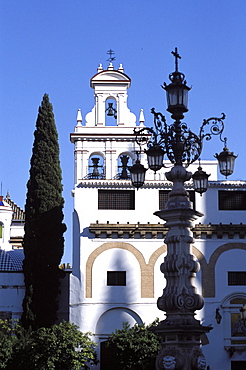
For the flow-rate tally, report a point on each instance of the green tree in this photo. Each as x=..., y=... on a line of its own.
x=43, y=240
x=134, y=348
x=7, y=340
x=60, y=347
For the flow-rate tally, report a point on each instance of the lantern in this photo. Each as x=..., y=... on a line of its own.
x=200, y=180
x=226, y=161
x=155, y=156
x=137, y=174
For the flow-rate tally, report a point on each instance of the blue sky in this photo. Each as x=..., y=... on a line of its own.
x=54, y=47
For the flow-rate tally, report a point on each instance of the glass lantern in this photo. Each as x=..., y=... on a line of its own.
x=226, y=161
x=200, y=180
x=155, y=156
x=137, y=174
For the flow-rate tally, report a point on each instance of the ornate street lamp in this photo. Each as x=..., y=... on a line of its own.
x=177, y=91
x=180, y=331
x=137, y=174
x=200, y=180
x=226, y=161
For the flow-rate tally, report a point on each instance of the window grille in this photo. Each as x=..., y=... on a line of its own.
x=232, y=200
x=163, y=198
x=116, y=199
x=236, y=277
x=116, y=278
x=238, y=365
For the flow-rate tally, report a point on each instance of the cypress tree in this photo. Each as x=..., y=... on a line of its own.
x=43, y=239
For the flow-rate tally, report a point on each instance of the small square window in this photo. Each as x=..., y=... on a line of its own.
x=116, y=278
x=232, y=200
x=163, y=198
x=116, y=199
x=236, y=277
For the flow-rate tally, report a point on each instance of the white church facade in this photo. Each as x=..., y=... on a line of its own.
x=118, y=244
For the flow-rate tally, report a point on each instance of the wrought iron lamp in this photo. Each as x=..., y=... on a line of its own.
x=200, y=180
x=176, y=141
x=137, y=174
x=218, y=316
x=226, y=161
x=181, y=332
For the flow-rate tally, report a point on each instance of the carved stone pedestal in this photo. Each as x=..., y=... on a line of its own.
x=180, y=331
x=181, y=347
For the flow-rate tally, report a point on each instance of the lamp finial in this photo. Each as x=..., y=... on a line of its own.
x=177, y=56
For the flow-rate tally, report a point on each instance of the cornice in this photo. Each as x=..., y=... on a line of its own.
x=153, y=231
x=227, y=184
x=92, y=183
x=155, y=184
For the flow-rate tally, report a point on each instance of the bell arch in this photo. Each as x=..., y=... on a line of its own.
x=146, y=269
x=111, y=108
x=96, y=166
x=124, y=161
x=209, y=271
x=113, y=318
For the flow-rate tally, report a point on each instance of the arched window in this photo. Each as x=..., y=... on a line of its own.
x=96, y=167
x=111, y=112
x=234, y=323
x=124, y=162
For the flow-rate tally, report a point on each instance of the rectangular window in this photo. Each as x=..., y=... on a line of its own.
x=236, y=277
x=163, y=198
x=116, y=199
x=238, y=365
x=232, y=200
x=116, y=278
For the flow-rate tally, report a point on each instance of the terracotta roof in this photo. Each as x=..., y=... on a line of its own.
x=18, y=214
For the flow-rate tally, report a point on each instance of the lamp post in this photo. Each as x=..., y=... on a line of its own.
x=181, y=332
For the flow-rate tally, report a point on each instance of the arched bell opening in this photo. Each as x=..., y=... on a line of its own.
x=111, y=112
x=123, y=166
x=96, y=167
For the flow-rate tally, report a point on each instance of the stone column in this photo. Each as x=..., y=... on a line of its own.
x=180, y=331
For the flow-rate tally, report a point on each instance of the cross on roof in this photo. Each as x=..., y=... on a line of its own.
x=177, y=56
x=110, y=53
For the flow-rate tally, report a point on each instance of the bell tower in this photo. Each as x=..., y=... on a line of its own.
x=99, y=146
x=110, y=85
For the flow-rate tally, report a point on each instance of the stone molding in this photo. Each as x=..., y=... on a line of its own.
x=159, y=184
x=200, y=231
x=147, y=268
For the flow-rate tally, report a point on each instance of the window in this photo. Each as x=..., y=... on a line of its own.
x=116, y=199
x=116, y=278
x=232, y=200
x=124, y=163
x=236, y=277
x=233, y=325
x=163, y=198
x=96, y=167
x=238, y=365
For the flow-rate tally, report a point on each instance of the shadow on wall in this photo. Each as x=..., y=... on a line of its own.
x=116, y=278
x=119, y=285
